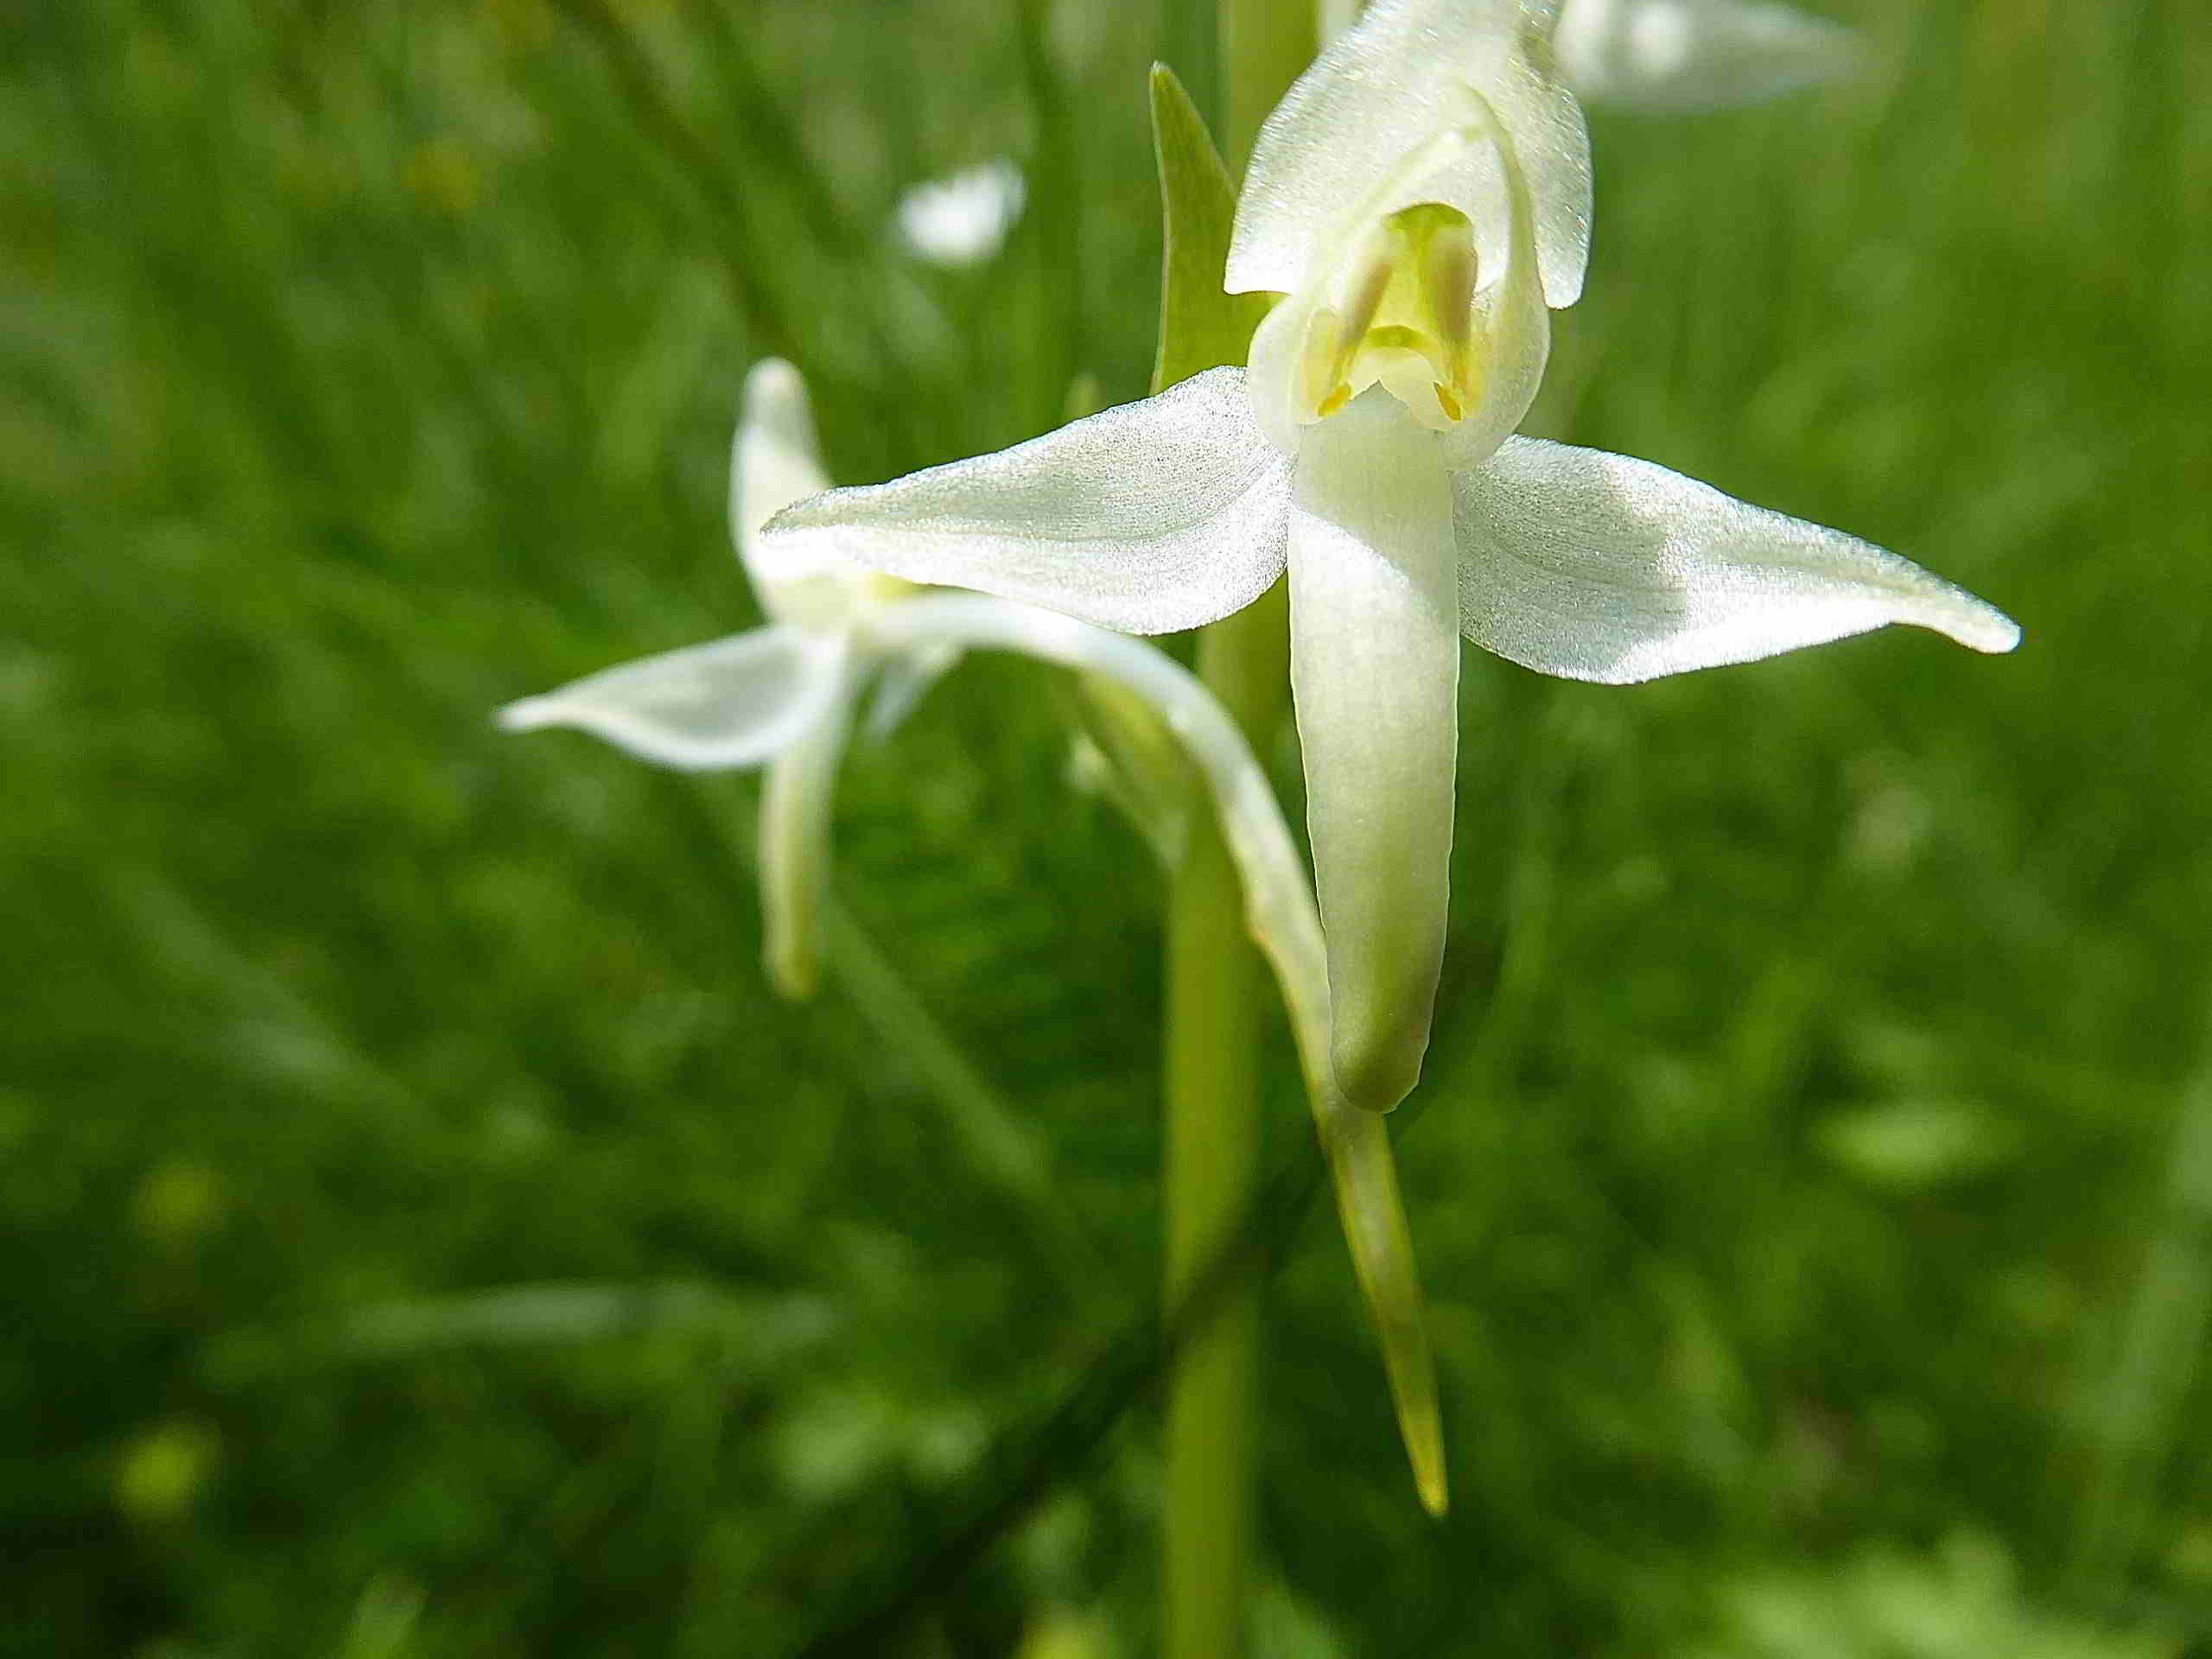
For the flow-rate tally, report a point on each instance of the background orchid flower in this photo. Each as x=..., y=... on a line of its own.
x=961, y=219
x=1676, y=56
x=1418, y=197
x=781, y=697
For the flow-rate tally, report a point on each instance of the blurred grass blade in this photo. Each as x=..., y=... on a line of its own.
x=998, y=1145
x=1200, y=325
x=2135, y=1416
x=763, y=309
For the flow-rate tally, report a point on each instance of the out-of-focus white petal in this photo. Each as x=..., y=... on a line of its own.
x=1355, y=139
x=1374, y=673
x=1595, y=567
x=798, y=800
x=1149, y=517
x=733, y=703
x=964, y=218
x=1681, y=55
x=773, y=462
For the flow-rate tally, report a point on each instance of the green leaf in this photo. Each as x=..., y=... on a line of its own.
x=1200, y=325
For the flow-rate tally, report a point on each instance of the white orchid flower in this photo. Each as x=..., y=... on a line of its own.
x=961, y=219
x=1418, y=197
x=783, y=696
x=1677, y=56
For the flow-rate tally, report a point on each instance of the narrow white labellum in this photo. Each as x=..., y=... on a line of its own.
x=797, y=802
x=1374, y=669
x=1593, y=566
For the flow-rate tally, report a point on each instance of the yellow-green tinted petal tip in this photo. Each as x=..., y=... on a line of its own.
x=1372, y=1209
x=794, y=973
x=1376, y=1078
x=1428, y=1477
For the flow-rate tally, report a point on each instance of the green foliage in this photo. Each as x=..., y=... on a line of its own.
x=1963, y=1602
x=1201, y=326
x=424, y=1233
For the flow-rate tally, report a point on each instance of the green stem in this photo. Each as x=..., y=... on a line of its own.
x=1215, y=993
x=1265, y=45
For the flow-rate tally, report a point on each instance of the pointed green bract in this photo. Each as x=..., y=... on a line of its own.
x=1200, y=325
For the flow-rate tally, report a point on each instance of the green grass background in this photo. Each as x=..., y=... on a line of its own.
x=424, y=1234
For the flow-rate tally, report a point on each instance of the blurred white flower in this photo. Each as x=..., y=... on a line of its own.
x=782, y=696
x=964, y=218
x=1419, y=198
x=1677, y=56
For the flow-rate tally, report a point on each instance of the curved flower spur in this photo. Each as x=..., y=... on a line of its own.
x=1419, y=200
x=783, y=697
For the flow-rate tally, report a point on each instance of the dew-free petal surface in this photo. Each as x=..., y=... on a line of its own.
x=733, y=703
x=1148, y=517
x=1375, y=674
x=1595, y=567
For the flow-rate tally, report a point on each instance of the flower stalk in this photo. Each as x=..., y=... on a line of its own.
x=1214, y=994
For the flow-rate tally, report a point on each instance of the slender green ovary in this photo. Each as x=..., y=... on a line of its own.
x=1406, y=322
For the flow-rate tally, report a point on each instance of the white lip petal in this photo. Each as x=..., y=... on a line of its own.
x=1149, y=517
x=773, y=461
x=797, y=802
x=1591, y=566
x=1677, y=56
x=1350, y=143
x=733, y=703
x=1375, y=672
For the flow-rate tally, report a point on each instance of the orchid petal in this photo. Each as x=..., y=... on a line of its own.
x=1279, y=909
x=735, y=702
x=1149, y=517
x=773, y=462
x=1591, y=566
x=1683, y=55
x=1514, y=321
x=1352, y=141
x=798, y=800
x=1374, y=672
